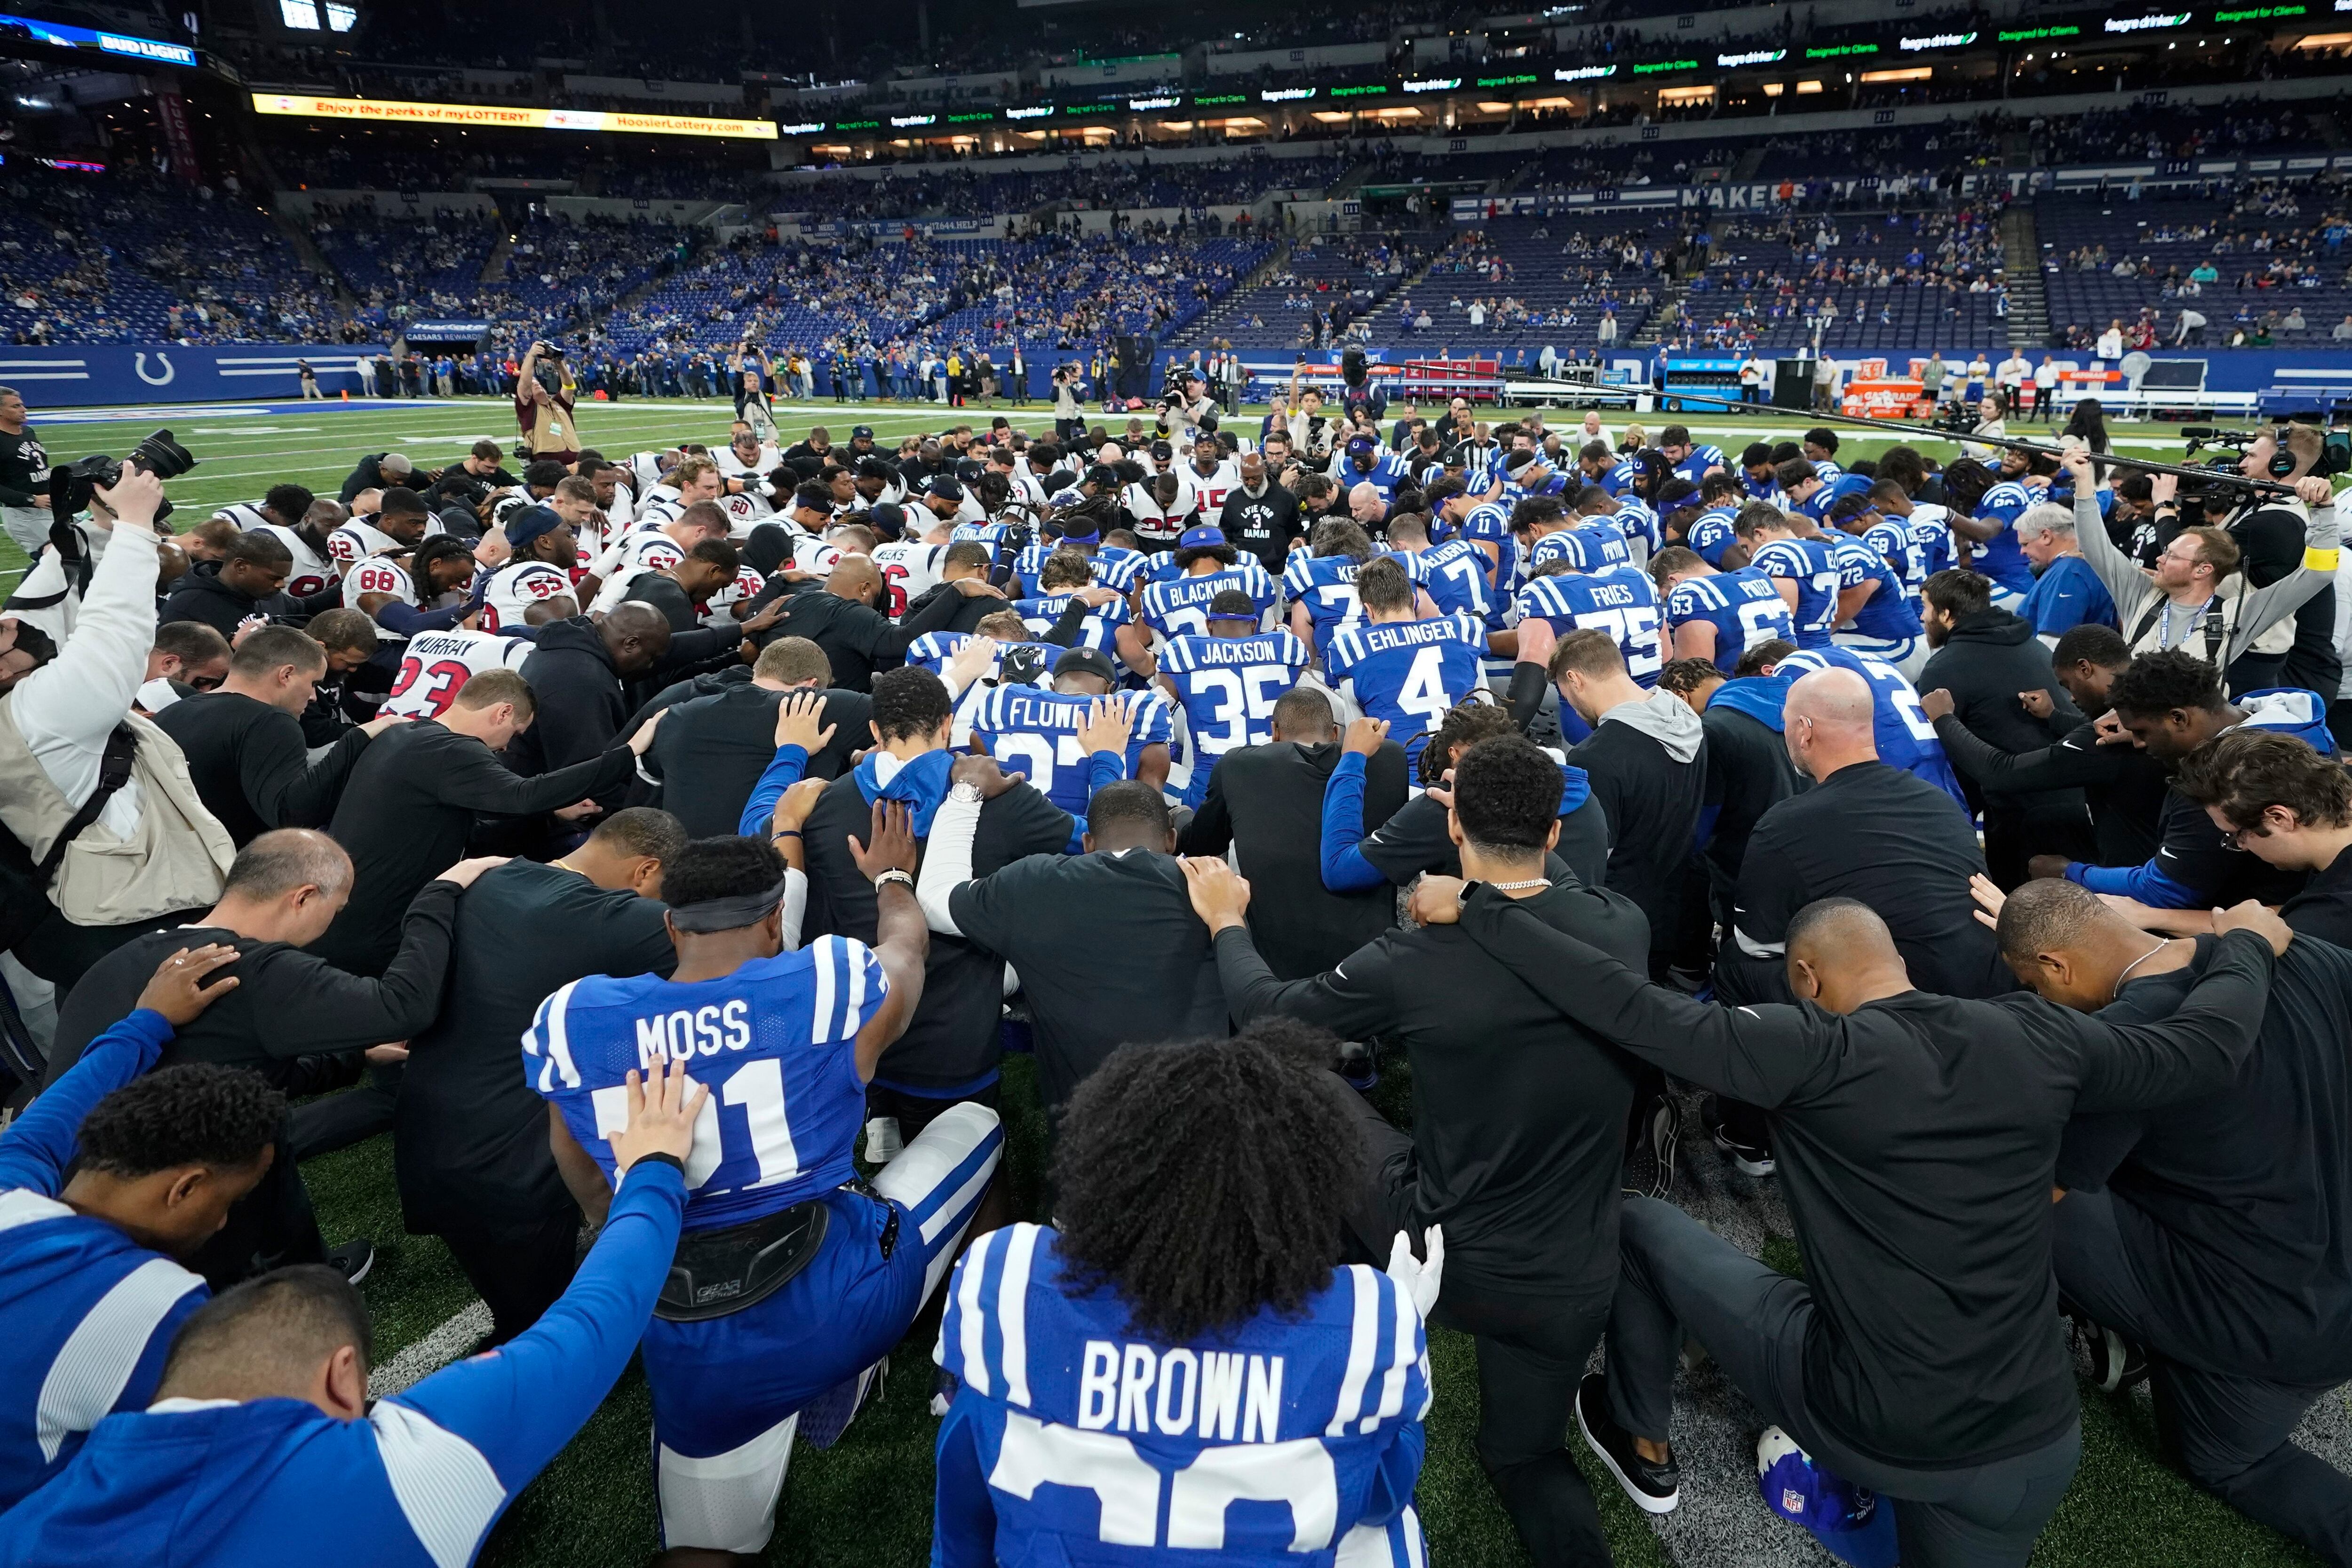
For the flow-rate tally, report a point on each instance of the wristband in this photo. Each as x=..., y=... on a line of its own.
x=904, y=879
x=672, y=1160
x=784, y=833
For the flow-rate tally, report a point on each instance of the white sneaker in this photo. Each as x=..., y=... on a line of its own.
x=882, y=1143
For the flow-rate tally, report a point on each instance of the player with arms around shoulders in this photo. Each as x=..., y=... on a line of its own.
x=1114, y=1372
x=1401, y=666
x=792, y=1278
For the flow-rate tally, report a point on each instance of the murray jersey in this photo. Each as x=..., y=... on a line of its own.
x=1098, y=630
x=1290, y=1439
x=1179, y=607
x=1888, y=615
x=1594, y=545
x=775, y=1042
x=1621, y=602
x=313, y=570
x=2002, y=557
x=1711, y=534
x=1743, y=607
x=1457, y=579
x=1808, y=564
x=1905, y=736
x=1227, y=688
x=514, y=587
x=1035, y=732
x=436, y=665
x=909, y=569
x=1409, y=672
x=1326, y=584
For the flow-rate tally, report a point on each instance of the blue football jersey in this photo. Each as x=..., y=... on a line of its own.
x=1622, y=601
x=1622, y=479
x=1702, y=458
x=1291, y=1438
x=1409, y=672
x=1931, y=536
x=2002, y=557
x=1594, y=545
x=935, y=651
x=1326, y=584
x=775, y=1042
x=1228, y=687
x=1891, y=541
x=1637, y=518
x=1035, y=732
x=1457, y=579
x=1711, y=534
x=1809, y=564
x=1114, y=567
x=1906, y=735
x=1743, y=607
x=1888, y=615
x=1099, y=629
x=1490, y=524
x=1179, y=607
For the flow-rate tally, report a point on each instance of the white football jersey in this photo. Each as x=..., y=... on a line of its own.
x=639, y=553
x=1209, y=489
x=518, y=585
x=745, y=513
x=356, y=540
x=436, y=666
x=732, y=463
x=909, y=569
x=313, y=570
x=376, y=574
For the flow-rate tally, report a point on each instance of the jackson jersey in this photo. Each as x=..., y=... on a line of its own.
x=1098, y=630
x=436, y=665
x=1179, y=607
x=1888, y=614
x=1623, y=601
x=1035, y=732
x=1594, y=545
x=1227, y=688
x=1292, y=1439
x=1809, y=564
x=775, y=1043
x=515, y=587
x=1457, y=579
x=313, y=569
x=1409, y=672
x=909, y=569
x=1743, y=607
x=1710, y=535
x=1326, y=584
x=2002, y=557
x=1905, y=736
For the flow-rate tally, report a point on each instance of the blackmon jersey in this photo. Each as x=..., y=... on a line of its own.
x=1743, y=607
x=515, y=587
x=909, y=569
x=1035, y=733
x=1409, y=672
x=1285, y=1438
x=436, y=665
x=1228, y=687
x=1809, y=564
x=1326, y=584
x=1179, y=607
x=776, y=1044
x=1621, y=602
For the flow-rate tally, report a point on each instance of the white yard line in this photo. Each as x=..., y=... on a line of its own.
x=430, y=1354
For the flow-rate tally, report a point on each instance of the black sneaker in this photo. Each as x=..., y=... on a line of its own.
x=353, y=1259
x=1654, y=1488
x=2117, y=1363
x=1749, y=1159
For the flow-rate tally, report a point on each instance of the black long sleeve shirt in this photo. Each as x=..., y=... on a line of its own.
x=1917, y=1140
x=250, y=767
x=857, y=640
x=1518, y=1123
x=2123, y=785
x=407, y=812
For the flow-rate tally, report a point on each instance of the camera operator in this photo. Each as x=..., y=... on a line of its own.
x=24, y=476
x=2204, y=597
x=1991, y=410
x=544, y=413
x=106, y=836
x=1069, y=420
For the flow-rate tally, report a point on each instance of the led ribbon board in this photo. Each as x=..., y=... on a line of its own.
x=498, y=117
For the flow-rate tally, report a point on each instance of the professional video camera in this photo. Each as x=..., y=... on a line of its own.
x=1954, y=419
x=71, y=484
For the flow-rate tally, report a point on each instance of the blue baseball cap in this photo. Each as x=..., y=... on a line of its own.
x=1202, y=538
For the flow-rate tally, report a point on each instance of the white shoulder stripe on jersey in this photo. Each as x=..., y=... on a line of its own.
x=99, y=1357
x=1012, y=1311
x=855, y=961
x=1400, y=1360
x=22, y=1205
x=446, y=1489
x=559, y=1041
x=1363, y=1338
x=975, y=1327
x=827, y=953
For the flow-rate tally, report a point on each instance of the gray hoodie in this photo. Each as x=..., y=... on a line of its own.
x=1666, y=718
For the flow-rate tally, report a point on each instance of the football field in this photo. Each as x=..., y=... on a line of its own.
x=866, y=1501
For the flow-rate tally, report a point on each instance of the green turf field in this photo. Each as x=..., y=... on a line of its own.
x=867, y=1501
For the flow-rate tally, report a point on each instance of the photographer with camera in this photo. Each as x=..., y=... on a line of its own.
x=107, y=838
x=543, y=412
x=1069, y=420
x=2204, y=598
